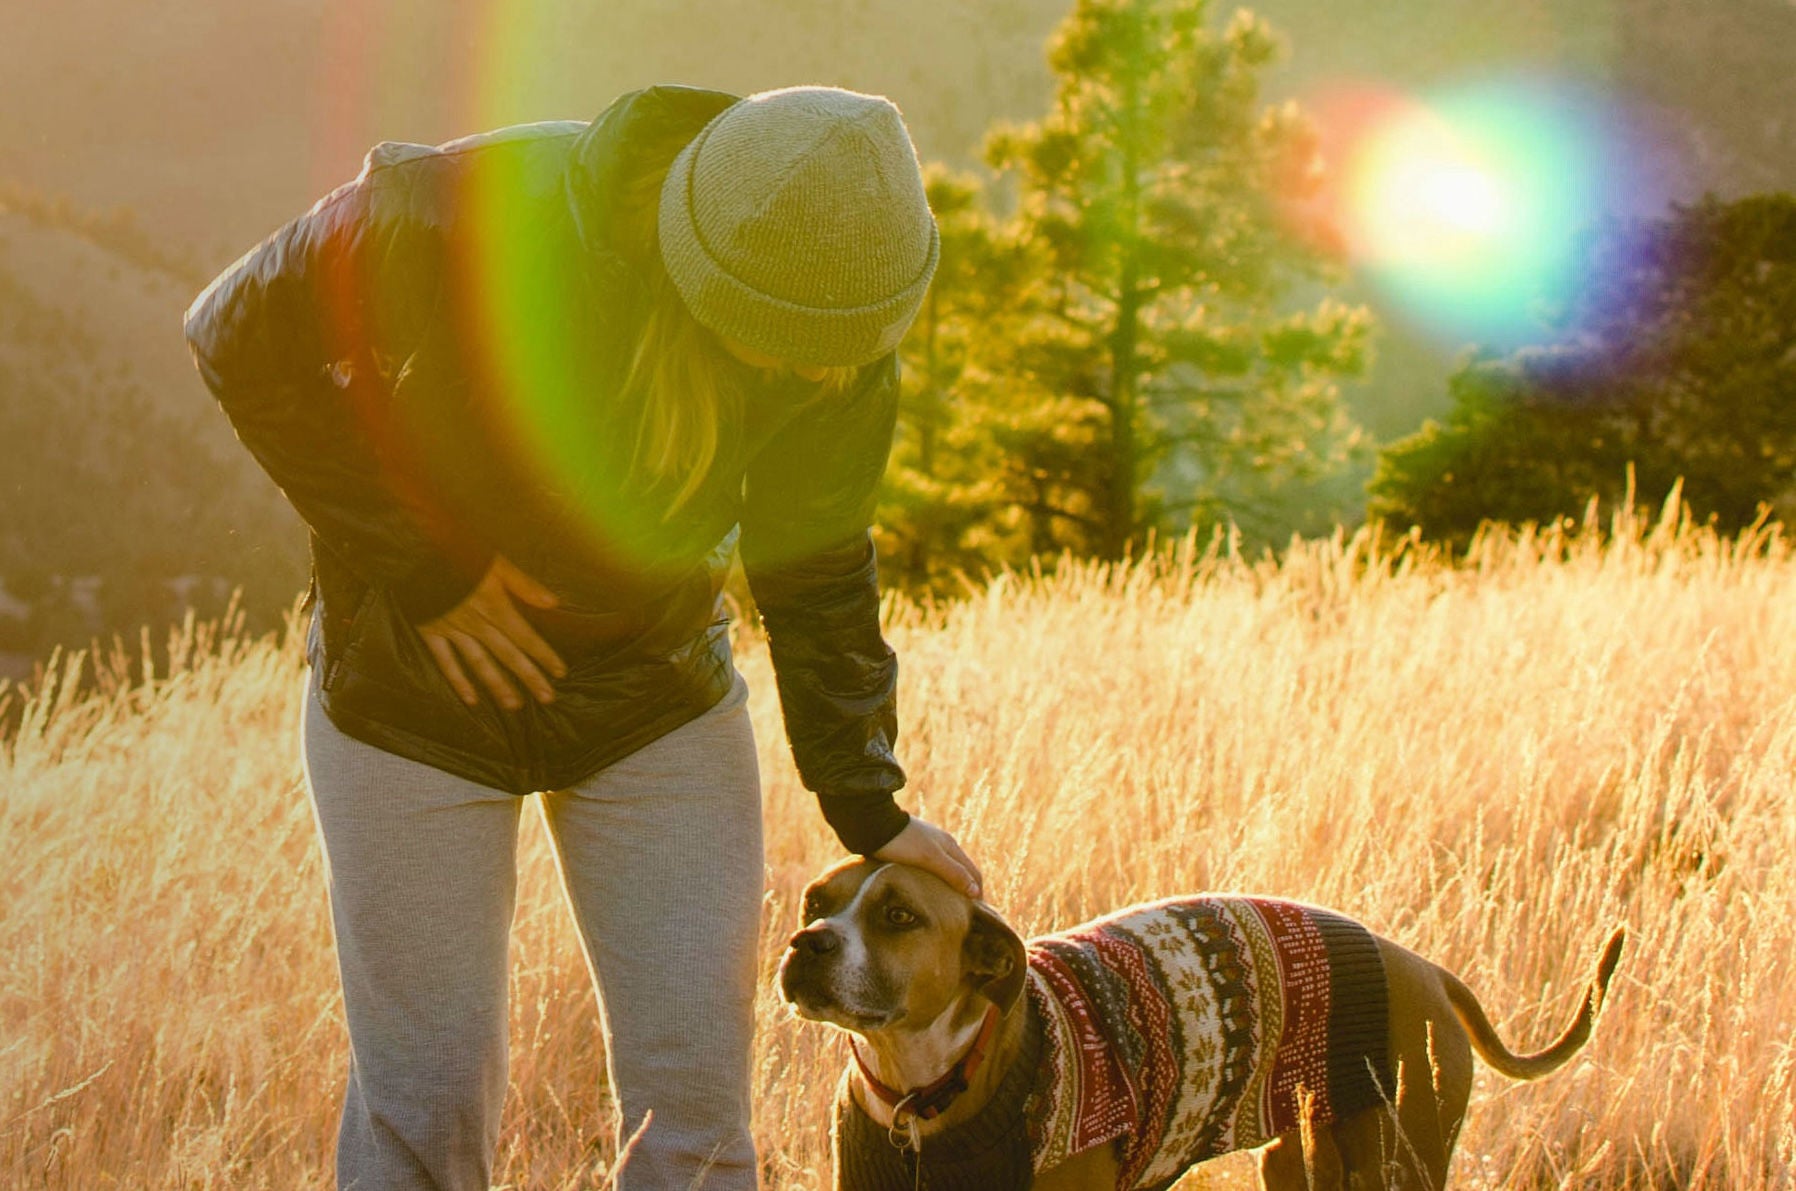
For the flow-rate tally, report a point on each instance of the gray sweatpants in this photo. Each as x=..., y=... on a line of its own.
x=660, y=855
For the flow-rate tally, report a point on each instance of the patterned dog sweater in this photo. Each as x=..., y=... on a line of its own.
x=1196, y=1026
x=1179, y=1030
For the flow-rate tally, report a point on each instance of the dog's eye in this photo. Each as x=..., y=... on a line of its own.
x=900, y=917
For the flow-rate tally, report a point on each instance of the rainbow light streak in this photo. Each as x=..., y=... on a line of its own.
x=508, y=280
x=1466, y=211
x=515, y=287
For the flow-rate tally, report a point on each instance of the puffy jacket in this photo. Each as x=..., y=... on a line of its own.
x=429, y=363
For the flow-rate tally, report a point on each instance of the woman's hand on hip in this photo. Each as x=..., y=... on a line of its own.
x=930, y=848
x=487, y=635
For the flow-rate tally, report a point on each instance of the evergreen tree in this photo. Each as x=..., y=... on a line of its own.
x=937, y=494
x=1136, y=360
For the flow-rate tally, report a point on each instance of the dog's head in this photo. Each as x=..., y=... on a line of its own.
x=888, y=945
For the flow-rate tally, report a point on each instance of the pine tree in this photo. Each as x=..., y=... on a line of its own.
x=1135, y=360
x=937, y=493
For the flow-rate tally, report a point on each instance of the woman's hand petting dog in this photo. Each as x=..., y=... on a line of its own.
x=926, y=846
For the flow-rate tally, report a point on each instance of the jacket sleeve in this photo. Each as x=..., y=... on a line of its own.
x=300, y=342
x=809, y=557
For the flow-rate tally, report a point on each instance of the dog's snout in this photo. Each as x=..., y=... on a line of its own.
x=819, y=938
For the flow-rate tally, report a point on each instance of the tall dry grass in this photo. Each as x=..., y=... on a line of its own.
x=1492, y=764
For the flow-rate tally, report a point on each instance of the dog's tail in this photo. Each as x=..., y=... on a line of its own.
x=1490, y=1048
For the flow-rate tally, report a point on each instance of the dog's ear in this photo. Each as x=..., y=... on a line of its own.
x=993, y=958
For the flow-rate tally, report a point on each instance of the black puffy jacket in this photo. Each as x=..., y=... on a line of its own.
x=429, y=364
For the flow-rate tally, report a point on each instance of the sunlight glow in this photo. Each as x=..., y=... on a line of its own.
x=1465, y=209
x=1421, y=196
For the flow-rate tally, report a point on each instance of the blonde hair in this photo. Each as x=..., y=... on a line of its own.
x=684, y=393
x=686, y=384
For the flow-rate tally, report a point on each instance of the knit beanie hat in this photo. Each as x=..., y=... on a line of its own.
x=795, y=223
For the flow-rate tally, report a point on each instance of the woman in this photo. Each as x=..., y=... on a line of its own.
x=530, y=390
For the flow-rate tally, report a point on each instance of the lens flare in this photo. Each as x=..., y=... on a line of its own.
x=1422, y=196
x=523, y=359
x=1466, y=209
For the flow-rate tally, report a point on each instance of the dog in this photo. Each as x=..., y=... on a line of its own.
x=1119, y=1054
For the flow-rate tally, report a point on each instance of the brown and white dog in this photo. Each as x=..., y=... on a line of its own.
x=1117, y=1055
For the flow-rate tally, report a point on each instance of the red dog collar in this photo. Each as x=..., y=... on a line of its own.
x=930, y=1101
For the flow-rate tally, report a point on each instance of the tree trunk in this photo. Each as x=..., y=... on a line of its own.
x=1124, y=449
x=1125, y=463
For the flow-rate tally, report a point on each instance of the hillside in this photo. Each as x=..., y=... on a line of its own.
x=1492, y=765
x=118, y=506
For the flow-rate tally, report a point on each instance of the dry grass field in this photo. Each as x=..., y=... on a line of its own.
x=1492, y=763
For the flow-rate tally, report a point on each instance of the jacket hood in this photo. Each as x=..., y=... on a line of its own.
x=637, y=137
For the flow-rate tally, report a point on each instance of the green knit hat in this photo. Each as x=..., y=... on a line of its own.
x=795, y=223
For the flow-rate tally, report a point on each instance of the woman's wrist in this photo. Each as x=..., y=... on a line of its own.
x=864, y=823
x=436, y=585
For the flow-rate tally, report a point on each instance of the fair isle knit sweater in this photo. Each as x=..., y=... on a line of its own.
x=1177, y=1031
